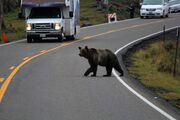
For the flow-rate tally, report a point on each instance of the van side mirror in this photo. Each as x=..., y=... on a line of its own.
x=140, y=4
x=71, y=14
x=20, y=16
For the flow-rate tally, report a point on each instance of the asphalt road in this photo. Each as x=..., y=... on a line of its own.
x=44, y=81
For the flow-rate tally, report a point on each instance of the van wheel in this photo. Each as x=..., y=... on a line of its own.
x=141, y=17
x=29, y=39
x=72, y=37
x=60, y=38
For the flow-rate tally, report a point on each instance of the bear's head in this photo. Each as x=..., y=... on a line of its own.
x=84, y=52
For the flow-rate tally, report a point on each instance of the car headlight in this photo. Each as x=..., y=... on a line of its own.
x=28, y=26
x=143, y=9
x=159, y=9
x=57, y=26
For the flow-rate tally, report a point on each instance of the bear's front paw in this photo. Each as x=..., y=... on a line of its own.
x=85, y=75
x=106, y=75
x=93, y=75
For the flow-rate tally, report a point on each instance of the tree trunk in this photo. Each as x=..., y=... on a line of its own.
x=1, y=13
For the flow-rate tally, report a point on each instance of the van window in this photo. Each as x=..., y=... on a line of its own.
x=152, y=2
x=45, y=12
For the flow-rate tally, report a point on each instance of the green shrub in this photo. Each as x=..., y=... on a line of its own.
x=166, y=65
x=168, y=45
x=153, y=66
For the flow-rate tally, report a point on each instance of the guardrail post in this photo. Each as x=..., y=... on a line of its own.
x=164, y=33
x=176, y=53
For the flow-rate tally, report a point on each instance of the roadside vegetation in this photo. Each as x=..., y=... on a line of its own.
x=153, y=66
x=14, y=27
x=89, y=13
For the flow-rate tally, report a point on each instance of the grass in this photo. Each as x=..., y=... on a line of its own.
x=146, y=66
x=90, y=14
x=15, y=28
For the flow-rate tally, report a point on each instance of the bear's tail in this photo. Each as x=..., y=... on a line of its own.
x=118, y=68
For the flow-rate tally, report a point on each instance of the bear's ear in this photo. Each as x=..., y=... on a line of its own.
x=79, y=48
x=86, y=47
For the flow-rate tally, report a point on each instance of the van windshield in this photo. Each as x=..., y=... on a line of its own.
x=45, y=13
x=152, y=2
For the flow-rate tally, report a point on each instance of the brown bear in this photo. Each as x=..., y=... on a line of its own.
x=102, y=57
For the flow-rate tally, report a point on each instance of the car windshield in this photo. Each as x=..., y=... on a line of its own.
x=152, y=2
x=174, y=2
x=45, y=13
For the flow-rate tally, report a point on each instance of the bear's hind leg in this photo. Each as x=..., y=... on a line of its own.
x=109, y=71
x=94, y=70
x=119, y=69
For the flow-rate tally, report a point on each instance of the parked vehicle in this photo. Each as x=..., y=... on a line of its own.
x=51, y=18
x=154, y=8
x=174, y=6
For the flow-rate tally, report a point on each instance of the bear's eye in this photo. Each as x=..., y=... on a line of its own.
x=83, y=52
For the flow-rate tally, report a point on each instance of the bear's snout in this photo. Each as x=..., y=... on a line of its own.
x=80, y=55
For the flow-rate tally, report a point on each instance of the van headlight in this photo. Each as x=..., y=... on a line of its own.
x=57, y=26
x=28, y=26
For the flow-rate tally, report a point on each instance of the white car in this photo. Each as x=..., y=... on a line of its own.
x=154, y=8
x=174, y=6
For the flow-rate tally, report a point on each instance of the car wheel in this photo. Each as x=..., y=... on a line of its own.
x=163, y=15
x=141, y=17
x=167, y=15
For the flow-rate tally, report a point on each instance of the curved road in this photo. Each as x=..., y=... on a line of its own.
x=44, y=81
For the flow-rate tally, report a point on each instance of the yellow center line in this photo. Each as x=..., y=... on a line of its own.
x=43, y=51
x=27, y=60
x=87, y=37
x=11, y=68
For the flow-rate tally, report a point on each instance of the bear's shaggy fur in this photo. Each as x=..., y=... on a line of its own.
x=102, y=57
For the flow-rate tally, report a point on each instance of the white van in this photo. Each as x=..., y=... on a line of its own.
x=51, y=18
x=154, y=8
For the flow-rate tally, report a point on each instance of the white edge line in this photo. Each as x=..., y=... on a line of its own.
x=109, y=23
x=10, y=43
x=132, y=90
x=103, y=24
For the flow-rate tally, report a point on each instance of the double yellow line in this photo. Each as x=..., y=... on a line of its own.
x=8, y=80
